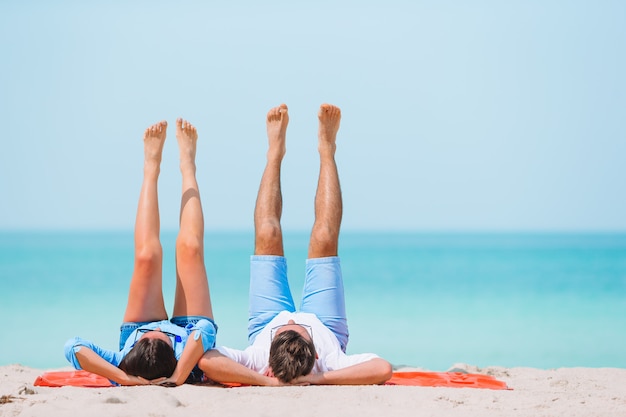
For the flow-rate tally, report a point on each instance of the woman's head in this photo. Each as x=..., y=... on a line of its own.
x=291, y=356
x=150, y=358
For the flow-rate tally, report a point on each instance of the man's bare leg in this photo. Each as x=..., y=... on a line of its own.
x=269, y=204
x=145, y=296
x=328, y=204
x=192, y=287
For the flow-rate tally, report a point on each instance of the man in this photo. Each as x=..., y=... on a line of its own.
x=288, y=347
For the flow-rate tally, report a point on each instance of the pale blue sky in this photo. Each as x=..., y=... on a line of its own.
x=458, y=115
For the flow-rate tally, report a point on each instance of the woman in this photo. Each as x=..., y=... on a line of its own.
x=152, y=348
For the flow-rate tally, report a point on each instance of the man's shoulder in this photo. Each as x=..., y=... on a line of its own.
x=250, y=350
x=252, y=357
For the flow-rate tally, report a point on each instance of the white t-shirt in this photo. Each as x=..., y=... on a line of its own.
x=330, y=355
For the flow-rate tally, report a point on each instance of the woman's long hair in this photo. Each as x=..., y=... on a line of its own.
x=150, y=359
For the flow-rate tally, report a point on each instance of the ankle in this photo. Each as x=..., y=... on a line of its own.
x=275, y=156
x=327, y=149
x=188, y=168
x=151, y=167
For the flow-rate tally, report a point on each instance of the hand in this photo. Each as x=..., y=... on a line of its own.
x=310, y=379
x=164, y=382
x=132, y=380
x=272, y=381
x=299, y=382
x=275, y=382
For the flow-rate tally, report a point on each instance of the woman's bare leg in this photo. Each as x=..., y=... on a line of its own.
x=328, y=203
x=268, y=239
x=192, y=287
x=145, y=296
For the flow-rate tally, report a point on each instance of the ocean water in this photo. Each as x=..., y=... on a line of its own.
x=425, y=300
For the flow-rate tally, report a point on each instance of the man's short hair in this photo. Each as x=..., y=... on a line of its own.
x=291, y=356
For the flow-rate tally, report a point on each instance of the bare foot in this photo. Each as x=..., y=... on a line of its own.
x=277, y=120
x=329, y=117
x=187, y=137
x=153, y=140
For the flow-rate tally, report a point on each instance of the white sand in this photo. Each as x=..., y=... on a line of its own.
x=561, y=392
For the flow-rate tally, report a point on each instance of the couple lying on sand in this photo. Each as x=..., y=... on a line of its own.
x=286, y=346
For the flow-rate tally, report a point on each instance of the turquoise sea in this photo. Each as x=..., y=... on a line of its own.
x=425, y=300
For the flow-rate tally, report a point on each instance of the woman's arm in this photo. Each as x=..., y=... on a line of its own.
x=200, y=340
x=221, y=368
x=92, y=362
x=373, y=371
x=191, y=355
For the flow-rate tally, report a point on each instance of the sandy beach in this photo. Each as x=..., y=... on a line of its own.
x=534, y=392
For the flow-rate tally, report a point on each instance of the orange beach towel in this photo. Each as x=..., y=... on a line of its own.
x=446, y=379
x=71, y=378
x=422, y=379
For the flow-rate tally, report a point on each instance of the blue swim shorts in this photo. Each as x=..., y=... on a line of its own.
x=322, y=295
x=127, y=328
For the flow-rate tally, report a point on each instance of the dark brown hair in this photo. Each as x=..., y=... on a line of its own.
x=291, y=356
x=150, y=359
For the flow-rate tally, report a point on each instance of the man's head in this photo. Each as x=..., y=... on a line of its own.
x=151, y=357
x=292, y=352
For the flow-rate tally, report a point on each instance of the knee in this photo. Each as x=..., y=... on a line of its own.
x=268, y=239
x=148, y=256
x=189, y=247
x=324, y=242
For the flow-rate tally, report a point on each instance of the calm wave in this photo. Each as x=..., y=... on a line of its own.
x=427, y=300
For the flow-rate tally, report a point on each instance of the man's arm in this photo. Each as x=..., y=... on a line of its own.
x=221, y=368
x=373, y=371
